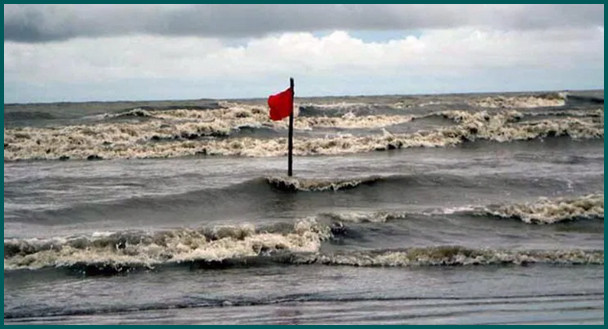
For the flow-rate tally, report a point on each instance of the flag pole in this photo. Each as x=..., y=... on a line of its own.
x=290, y=140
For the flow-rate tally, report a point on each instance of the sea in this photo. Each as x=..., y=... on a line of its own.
x=402, y=209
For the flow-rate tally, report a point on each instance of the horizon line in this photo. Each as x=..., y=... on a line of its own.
x=315, y=96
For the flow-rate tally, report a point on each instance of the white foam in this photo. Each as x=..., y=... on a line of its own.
x=549, y=211
x=224, y=242
x=133, y=140
x=366, y=216
x=318, y=184
x=549, y=100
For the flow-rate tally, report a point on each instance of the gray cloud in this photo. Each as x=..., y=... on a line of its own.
x=41, y=23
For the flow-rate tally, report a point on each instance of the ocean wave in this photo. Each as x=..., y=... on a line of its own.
x=594, y=113
x=542, y=211
x=136, y=112
x=550, y=211
x=597, y=99
x=547, y=100
x=123, y=251
x=255, y=190
x=452, y=256
x=239, y=114
x=373, y=106
x=319, y=184
x=130, y=139
x=504, y=126
x=247, y=246
x=187, y=138
x=336, y=105
x=366, y=216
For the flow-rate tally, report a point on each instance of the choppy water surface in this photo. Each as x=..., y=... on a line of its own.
x=469, y=209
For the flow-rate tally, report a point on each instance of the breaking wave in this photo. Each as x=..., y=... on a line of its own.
x=598, y=113
x=117, y=252
x=136, y=112
x=297, y=244
x=549, y=211
x=526, y=102
x=543, y=211
x=179, y=133
x=365, y=216
x=319, y=184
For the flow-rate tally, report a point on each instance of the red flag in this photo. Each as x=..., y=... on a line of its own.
x=280, y=104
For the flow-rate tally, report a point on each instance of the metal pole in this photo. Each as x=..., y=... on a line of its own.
x=290, y=141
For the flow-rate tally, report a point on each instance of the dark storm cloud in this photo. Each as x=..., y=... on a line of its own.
x=39, y=23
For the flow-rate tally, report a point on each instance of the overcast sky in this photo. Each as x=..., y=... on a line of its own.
x=143, y=52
